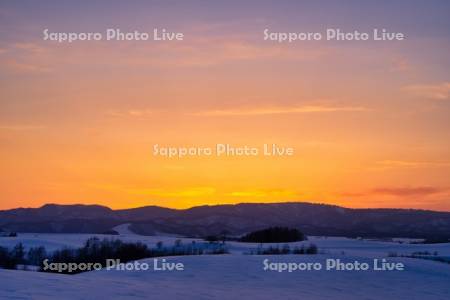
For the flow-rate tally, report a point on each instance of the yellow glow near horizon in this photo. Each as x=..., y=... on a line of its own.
x=368, y=122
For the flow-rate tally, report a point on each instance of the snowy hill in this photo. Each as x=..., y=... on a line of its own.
x=240, y=276
x=230, y=277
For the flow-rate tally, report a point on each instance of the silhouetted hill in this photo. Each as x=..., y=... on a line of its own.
x=312, y=219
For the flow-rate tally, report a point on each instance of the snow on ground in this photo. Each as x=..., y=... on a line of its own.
x=354, y=247
x=58, y=241
x=123, y=229
x=238, y=276
x=233, y=277
x=327, y=245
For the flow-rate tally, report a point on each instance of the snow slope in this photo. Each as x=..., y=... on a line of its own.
x=233, y=276
x=57, y=241
x=329, y=245
x=240, y=276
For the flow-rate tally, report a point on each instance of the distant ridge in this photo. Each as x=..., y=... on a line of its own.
x=312, y=219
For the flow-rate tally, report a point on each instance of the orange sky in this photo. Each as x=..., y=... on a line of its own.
x=368, y=122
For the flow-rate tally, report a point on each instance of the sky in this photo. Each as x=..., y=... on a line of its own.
x=369, y=120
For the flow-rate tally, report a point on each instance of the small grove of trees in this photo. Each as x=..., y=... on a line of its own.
x=211, y=238
x=8, y=234
x=423, y=255
x=433, y=241
x=36, y=255
x=285, y=249
x=9, y=259
x=311, y=249
x=97, y=251
x=221, y=237
x=274, y=235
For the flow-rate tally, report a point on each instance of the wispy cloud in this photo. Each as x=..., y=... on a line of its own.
x=21, y=127
x=200, y=191
x=396, y=164
x=130, y=113
x=439, y=91
x=186, y=192
x=24, y=67
x=262, y=193
x=272, y=110
x=31, y=47
x=408, y=191
x=405, y=191
x=281, y=110
x=25, y=58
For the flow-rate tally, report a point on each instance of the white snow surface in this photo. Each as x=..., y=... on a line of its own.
x=237, y=275
x=123, y=229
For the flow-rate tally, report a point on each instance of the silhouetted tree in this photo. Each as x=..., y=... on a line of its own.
x=274, y=235
x=36, y=255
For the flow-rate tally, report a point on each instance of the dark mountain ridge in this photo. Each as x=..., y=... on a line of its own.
x=312, y=219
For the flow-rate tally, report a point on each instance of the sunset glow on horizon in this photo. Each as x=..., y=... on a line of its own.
x=368, y=121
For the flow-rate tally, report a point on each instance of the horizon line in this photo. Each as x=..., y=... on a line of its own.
x=229, y=204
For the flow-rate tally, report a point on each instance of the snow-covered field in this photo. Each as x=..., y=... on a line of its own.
x=237, y=275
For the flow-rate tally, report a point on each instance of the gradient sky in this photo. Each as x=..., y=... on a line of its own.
x=369, y=121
